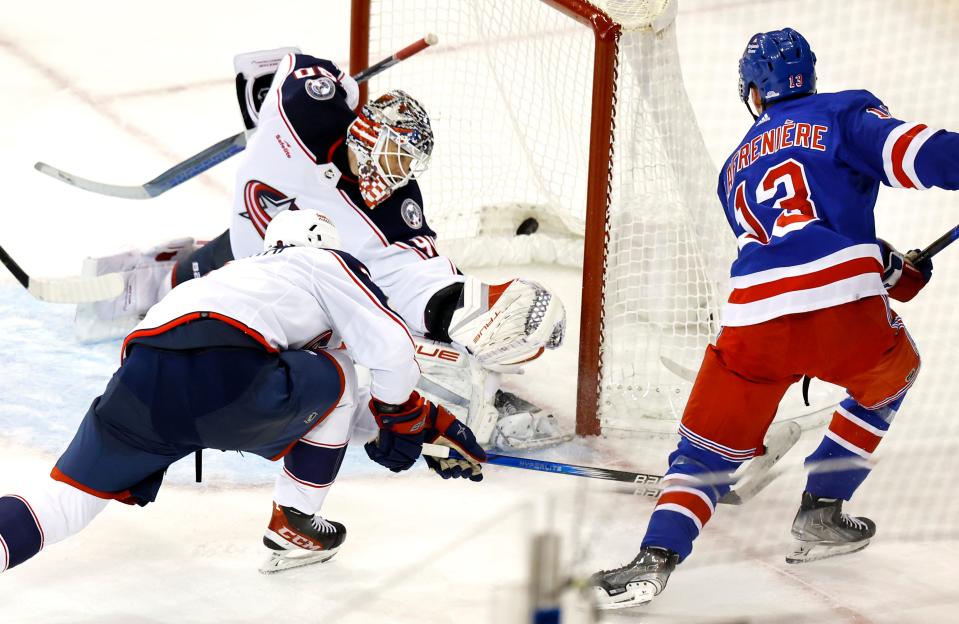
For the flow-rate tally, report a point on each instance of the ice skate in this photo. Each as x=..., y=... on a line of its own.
x=636, y=583
x=822, y=530
x=522, y=425
x=298, y=539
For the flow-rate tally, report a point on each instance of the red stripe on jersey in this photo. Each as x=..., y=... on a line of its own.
x=853, y=433
x=372, y=225
x=690, y=501
x=373, y=298
x=289, y=126
x=123, y=497
x=329, y=154
x=419, y=253
x=323, y=444
x=258, y=216
x=318, y=486
x=844, y=270
x=336, y=403
x=192, y=316
x=899, y=152
x=6, y=554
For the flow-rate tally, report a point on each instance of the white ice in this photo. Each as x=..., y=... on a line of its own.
x=119, y=91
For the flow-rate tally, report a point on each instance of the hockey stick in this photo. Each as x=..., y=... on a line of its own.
x=65, y=289
x=653, y=481
x=213, y=155
x=937, y=245
x=753, y=479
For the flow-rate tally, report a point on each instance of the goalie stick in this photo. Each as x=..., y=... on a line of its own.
x=756, y=475
x=65, y=289
x=213, y=155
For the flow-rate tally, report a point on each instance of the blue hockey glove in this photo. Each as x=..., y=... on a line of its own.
x=402, y=432
x=446, y=430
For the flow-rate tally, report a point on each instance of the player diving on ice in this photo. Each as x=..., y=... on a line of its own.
x=248, y=358
x=312, y=151
x=810, y=290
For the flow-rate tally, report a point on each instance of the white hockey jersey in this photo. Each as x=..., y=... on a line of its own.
x=292, y=298
x=297, y=157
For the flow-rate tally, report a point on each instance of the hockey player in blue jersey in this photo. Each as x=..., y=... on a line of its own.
x=314, y=149
x=810, y=289
x=257, y=357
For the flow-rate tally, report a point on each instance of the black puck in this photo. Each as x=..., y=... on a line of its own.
x=527, y=227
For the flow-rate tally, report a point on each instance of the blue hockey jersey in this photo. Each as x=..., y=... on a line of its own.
x=799, y=193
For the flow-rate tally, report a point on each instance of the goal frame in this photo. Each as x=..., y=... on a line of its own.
x=606, y=35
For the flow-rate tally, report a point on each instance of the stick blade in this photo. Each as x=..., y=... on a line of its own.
x=77, y=289
x=113, y=190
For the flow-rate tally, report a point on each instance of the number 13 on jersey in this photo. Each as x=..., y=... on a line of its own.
x=792, y=211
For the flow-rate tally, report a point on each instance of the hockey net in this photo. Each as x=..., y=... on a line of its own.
x=511, y=93
x=574, y=115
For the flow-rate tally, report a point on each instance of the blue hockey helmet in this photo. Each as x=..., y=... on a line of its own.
x=780, y=64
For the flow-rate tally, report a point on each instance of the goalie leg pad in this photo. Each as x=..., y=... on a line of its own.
x=507, y=324
x=453, y=378
x=147, y=276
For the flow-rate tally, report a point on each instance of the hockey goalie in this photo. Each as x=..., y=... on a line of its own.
x=311, y=150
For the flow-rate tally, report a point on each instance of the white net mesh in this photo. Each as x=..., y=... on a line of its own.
x=509, y=93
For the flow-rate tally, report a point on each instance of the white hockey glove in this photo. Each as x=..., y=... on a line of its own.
x=147, y=279
x=507, y=324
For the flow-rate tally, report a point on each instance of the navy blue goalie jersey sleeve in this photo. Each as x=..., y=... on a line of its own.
x=314, y=104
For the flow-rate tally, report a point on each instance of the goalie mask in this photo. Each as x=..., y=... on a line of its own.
x=301, y=228
x=392, y=141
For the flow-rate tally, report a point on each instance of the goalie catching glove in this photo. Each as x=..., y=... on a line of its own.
x=902, y=277
x=506, y=325
x=404, y=428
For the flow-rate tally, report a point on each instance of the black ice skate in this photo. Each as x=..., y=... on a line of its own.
x=299, y=539
x=636, y=583
x=822, y=530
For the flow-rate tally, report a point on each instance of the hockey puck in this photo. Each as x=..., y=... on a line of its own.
x=527, y=227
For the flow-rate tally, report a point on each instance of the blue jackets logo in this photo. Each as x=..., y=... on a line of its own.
x=321, y=88
x=412, y=214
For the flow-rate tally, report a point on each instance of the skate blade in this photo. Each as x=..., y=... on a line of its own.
x=806, y=551
x=636, y=595
x=282, y=560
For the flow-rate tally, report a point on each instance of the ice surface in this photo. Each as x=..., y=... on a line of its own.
x=115, y=91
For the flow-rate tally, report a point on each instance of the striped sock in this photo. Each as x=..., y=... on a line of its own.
x=21, y=535
x=853, y=435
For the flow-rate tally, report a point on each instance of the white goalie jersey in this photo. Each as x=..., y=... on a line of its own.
x=298, y=159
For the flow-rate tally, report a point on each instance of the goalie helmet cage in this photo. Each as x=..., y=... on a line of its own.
x=575, y=114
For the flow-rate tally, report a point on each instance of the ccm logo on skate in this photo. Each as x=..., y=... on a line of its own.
x=439, y=354
x=298, y=540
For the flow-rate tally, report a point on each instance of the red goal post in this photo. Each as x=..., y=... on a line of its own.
x=606, y=373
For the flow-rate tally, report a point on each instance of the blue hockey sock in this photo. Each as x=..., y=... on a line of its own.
x=21, y=536
x=853, y=435
x=689, y=497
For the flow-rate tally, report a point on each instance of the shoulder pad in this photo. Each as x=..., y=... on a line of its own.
x=313, y=104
